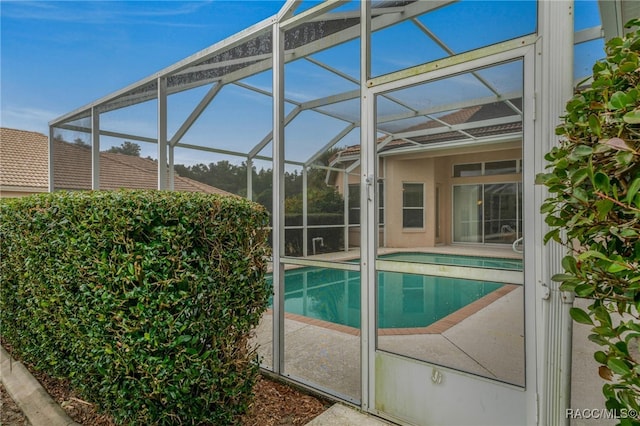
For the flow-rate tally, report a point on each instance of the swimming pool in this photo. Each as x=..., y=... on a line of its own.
x=404, y=300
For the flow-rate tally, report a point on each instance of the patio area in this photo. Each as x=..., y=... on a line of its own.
x=484, y=338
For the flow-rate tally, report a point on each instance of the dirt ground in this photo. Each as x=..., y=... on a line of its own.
x=10, y=413
x=275, y=404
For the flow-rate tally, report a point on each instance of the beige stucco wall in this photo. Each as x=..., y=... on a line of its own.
x=433, y=169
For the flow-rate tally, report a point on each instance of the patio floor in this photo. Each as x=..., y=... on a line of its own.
x=488, y=341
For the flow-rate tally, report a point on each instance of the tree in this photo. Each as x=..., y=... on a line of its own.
x=127, y=148
x=594, y=210
x=81, y=143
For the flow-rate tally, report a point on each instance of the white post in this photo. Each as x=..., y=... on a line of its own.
x=305, y=212
x=51, y=139
x=95, y=149
x=249, y=179
x=556, y=80
x=162, y=133
x=345, y=194
x=172, y=172
x=367, y=211
x=278, y=198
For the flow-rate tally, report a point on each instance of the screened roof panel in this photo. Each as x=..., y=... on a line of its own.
x=309, y=133
x=587, y=15
x=349, y=110
x=218, y=126
x=472, y=24
x=344, y=57
x=402, y=46
x=305, y=81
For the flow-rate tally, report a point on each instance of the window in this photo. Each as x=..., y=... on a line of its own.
x=412, y=205
x=501, y=167
x=490, y=168
x=464, y=170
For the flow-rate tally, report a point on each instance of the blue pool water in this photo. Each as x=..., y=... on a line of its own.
x=404, y=300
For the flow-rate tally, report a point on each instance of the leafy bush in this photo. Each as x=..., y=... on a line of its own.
x=145, y=300
x=595, y=210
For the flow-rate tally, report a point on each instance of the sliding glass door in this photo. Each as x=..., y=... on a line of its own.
x=487, y=213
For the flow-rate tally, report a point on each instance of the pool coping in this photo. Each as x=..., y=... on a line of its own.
x=437, y=327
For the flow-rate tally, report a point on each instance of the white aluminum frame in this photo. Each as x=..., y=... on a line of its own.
x=549, y=53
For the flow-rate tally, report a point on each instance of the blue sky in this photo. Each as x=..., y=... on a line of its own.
x=57, y=56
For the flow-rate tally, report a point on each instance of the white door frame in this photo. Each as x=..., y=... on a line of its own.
x=493, y=402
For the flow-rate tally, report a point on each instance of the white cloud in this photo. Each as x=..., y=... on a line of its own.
x=25, y=118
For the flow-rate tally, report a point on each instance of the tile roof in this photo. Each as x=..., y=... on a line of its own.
x=24, y=160
x=466, y=115
x=26, y=164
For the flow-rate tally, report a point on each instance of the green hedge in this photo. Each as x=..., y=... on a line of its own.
x=145, y=300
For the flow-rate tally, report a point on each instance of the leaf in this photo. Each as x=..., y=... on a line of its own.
x=569, y=264
x=618, y=101
x=592, y=253
x=602, y=315
x=605, y=373
x=618, y=366
x=632, y=117
x=580, y=316
x=633, y=190
x=584, y=290
x=624, y=158
x=617, y=143
x=617, y=267
x=603, y=207
x=580, y=194
x=579, y=175
x=601, y=182
x=600, y=357
x=594, y=125
x=582, y=151
x=562, y=277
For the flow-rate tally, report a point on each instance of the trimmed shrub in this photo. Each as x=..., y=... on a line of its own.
x=145, y=300
x=594, y=209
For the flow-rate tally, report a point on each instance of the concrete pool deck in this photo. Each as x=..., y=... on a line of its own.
x=489, y=343
x=330, y=360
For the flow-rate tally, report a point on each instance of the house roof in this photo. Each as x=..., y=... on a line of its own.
x=469, y=115
x=24, y=161
x=26, y=165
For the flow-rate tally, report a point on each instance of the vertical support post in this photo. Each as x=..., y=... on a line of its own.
x=278, y=198
x=51, y=157
x=345, y=192
x=172, y=172
x=249, y=179
x=367, y=217
x=162, y=133
x=95, y=149
x=305, y=211
x=555, y=70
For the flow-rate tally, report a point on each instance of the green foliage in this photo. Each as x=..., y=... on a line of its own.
x=145, y=300
x=126, y=148
x=233, y=178
x=594, y=208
